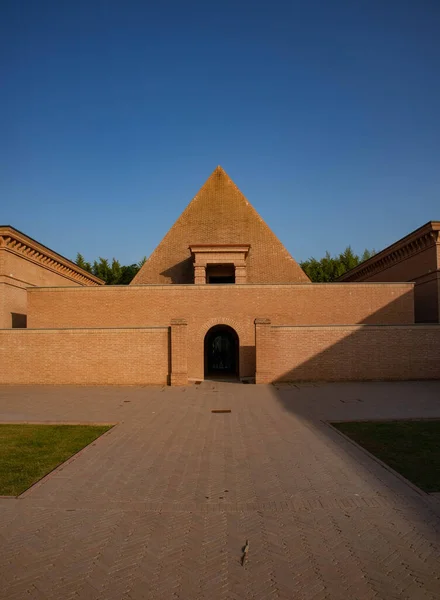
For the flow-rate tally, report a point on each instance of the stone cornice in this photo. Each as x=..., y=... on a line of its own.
x=422, y=238
x=217, y=248
x=20, y=244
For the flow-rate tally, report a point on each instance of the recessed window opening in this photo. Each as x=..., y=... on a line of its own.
x=220, y=273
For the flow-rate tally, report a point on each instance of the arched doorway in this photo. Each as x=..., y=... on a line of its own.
x=221, y=352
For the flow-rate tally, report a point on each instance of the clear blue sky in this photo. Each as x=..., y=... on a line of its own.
x=325, y=113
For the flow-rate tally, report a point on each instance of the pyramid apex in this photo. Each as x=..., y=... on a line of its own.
x=219, y=169
x=220, y=174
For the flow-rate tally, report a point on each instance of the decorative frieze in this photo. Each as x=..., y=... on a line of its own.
x=400, y=251
x=13, y=241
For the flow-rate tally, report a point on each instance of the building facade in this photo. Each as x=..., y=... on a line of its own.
x=219, y=297
x=26, y=263
x=416, y=258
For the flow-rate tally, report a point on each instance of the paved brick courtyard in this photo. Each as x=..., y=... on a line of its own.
x=161, y=505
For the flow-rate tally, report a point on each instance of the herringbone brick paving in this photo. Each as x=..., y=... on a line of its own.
x=161, y=505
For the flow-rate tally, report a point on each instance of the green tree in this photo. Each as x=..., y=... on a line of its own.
x=367, y=254
x=101, y=268
x=112, y=274
x=329, y=268
x=80, y=261
x=127, y=274
x=348, y=260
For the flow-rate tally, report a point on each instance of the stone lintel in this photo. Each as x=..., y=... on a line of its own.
x=179, y=322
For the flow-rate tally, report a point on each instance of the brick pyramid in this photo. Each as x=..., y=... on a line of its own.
x=220, y=214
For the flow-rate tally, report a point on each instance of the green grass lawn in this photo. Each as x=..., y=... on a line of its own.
x=28, y=452
x=412, y=448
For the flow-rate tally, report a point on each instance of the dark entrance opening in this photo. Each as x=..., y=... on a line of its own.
x=214, y=279
x=220, y=274
x=18, y=320
x=221, y=352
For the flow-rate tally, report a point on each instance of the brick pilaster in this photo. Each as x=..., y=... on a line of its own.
x=179, y=352
x=263, y=348
x=240, y=272
x=199, y=274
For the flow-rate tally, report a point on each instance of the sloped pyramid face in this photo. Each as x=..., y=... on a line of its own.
x=220, y=214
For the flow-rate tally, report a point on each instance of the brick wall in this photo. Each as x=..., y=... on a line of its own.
x=426, y=299
x=438, y=296
x=13, y=300
x=203, y=306
x=422, y=269
x=17, y=273
x=85, y=356
x=420, y=266
x=352, y=353
x=3, y=314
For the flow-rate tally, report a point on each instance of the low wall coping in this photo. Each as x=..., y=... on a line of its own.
x=196, y=286
x=40, y=330
x=363, y=326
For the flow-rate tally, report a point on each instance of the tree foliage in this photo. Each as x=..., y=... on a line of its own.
x=112, y=273
x=329, y=268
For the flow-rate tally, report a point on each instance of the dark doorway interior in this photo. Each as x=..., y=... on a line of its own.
x=220, y=274
x=220, y=279
x=221, y=352
x=19, y=321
